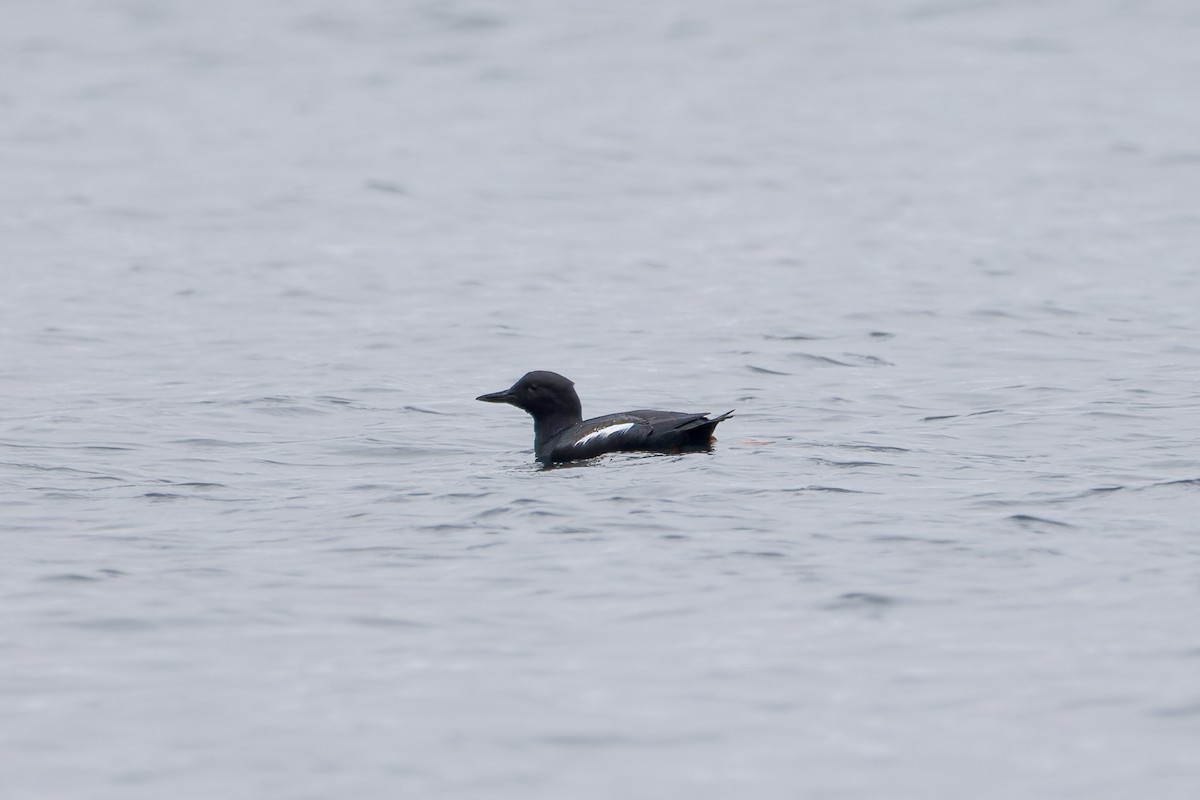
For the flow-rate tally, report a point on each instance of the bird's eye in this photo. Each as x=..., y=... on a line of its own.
x=533, y=387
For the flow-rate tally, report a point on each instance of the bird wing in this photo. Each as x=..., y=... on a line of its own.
x=594, y=437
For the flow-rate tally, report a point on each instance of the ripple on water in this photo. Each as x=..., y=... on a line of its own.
x=1032, y=522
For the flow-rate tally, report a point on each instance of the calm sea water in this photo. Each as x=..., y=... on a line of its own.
x=259, y=541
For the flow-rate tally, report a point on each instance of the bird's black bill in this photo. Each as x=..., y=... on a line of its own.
x=497, y=397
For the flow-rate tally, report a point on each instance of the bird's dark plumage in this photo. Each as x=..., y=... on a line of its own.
x=561, y=433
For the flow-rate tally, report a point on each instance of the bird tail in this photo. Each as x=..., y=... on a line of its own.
x=706, y=421
x=700, y=431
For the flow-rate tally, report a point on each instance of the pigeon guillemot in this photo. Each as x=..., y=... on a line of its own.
x=562, y=434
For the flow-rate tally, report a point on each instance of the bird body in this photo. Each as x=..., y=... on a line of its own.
x=561, y=434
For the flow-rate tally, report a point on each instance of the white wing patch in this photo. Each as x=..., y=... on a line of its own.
x=605, y=432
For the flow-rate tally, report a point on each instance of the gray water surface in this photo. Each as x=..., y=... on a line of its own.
x=259, y=541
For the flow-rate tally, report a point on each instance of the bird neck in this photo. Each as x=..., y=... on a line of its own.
x=548, y=426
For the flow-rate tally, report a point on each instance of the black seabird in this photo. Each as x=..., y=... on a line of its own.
x=560, y=433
